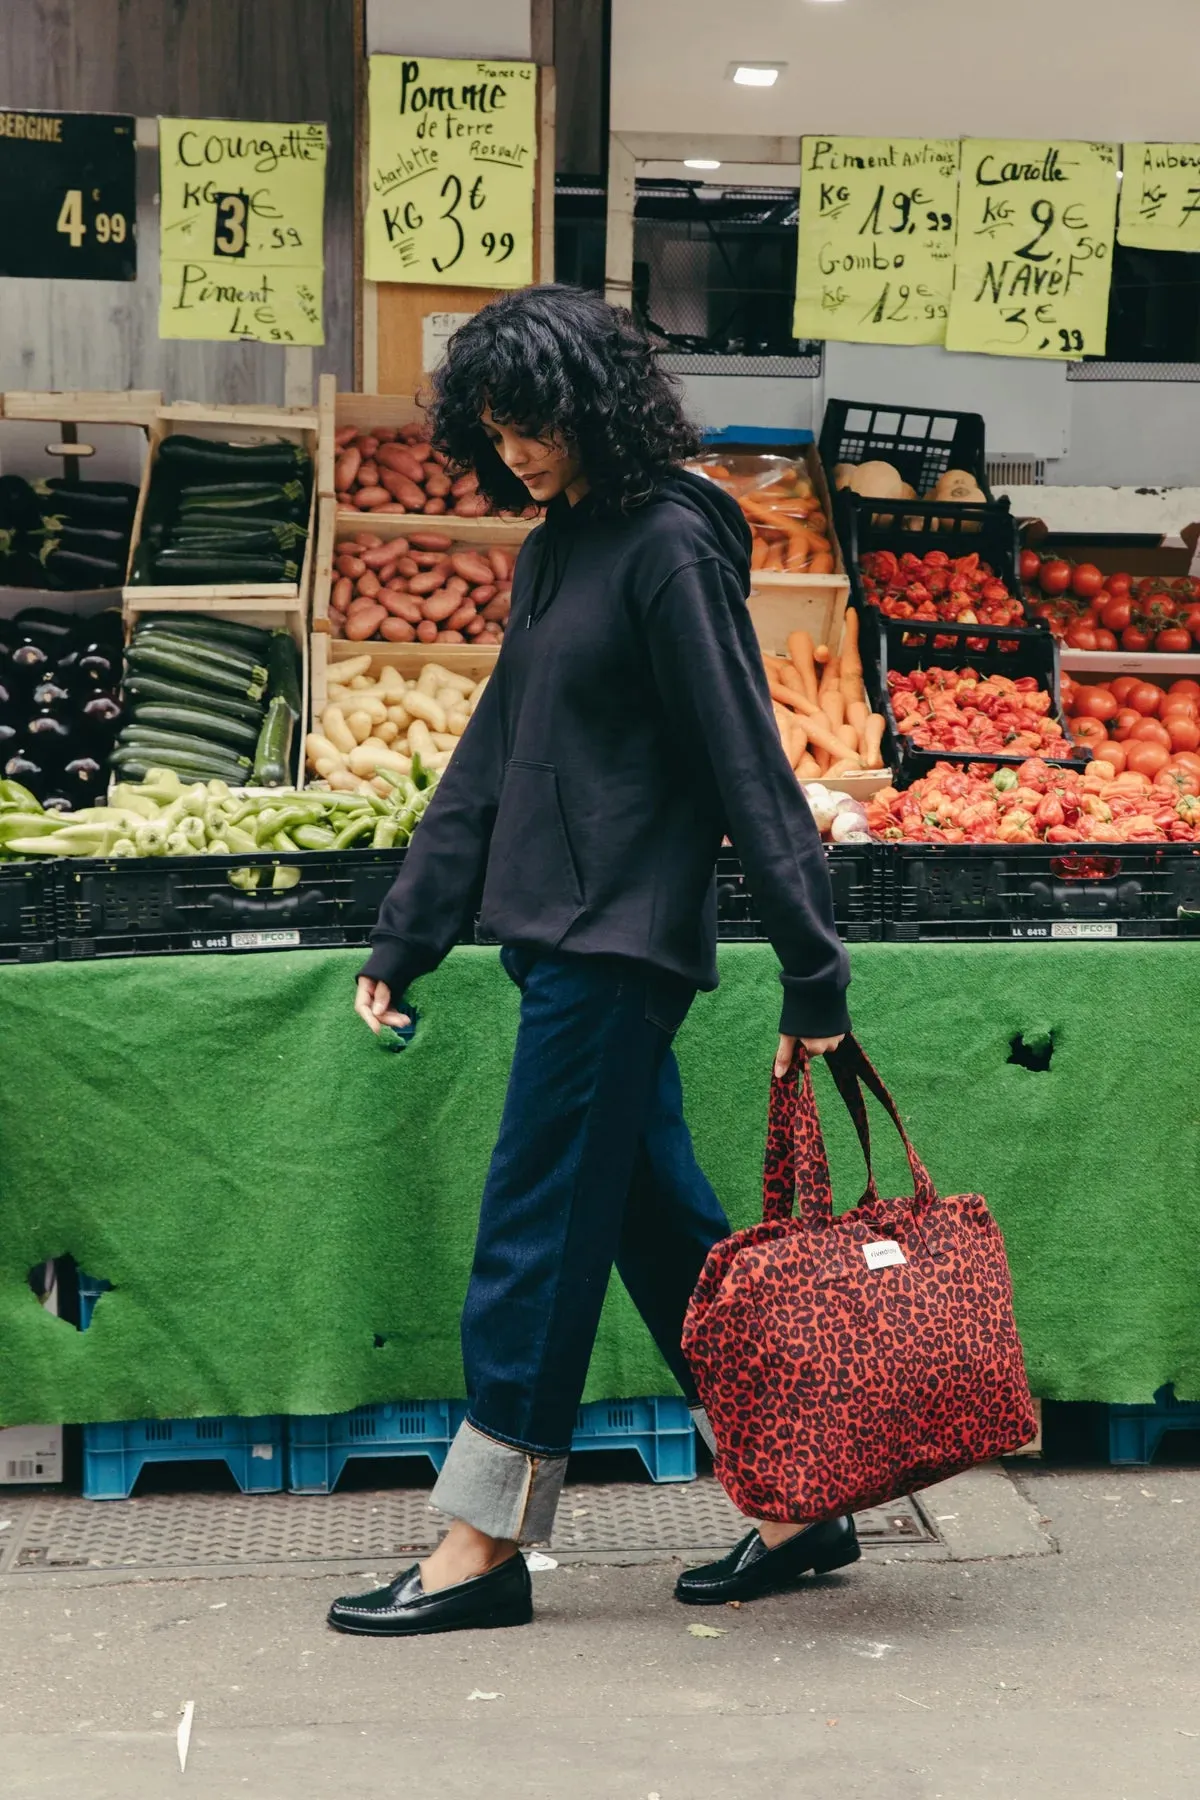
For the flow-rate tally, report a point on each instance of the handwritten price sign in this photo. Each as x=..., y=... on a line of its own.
x=1034, y=257
x=451, y=172
x=242, y=235
x=1160, y=197
x=875, y=261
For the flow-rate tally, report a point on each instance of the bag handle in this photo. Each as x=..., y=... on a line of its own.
x=796, y=1165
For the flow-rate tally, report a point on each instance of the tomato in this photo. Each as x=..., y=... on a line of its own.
x=1147, y=759
x=1135, y=638
x=1105, y=640
x=1125, y=721
x=1120, y=688
x=1180, y=703
x=1081, y=637
x=1029, y=565
x=1150, y=731
x=1086, y=580
x=1109, y=751
x=1054, y=576
x=1187, y=759
x=1185, y=686
x=1117, y=614
x=1175, y=641
x=1145, y=697
x=1095, y=703
x=1117, y=584
x=1176, y=781
x=1086, y=730
x=1182, y=734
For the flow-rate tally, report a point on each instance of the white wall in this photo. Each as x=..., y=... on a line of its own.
x=925, y=68
x=493, y=29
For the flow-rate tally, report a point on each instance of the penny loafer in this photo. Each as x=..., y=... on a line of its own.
x=751, y=1569
x=504, y=1596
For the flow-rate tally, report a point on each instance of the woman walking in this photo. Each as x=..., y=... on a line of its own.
x=626, y=731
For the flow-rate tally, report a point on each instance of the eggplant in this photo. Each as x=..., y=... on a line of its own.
x=67, y=569
x=104, y=512
x=108, y=490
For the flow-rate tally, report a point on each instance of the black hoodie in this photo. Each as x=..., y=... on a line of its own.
x=626, y=731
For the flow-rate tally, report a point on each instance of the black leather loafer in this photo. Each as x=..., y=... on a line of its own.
x=751, y=1569
x=503, y=1596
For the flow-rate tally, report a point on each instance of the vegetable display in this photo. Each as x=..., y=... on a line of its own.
x=821, y=707
x=883, y=481
x=1037, y=804
x=161, y=816
x=60, y=680
x=212, y=699
x=789, y=530
x=838, y=817
x=958, y=709
x=421, y=588
x=378, y=724
x=388, y=470
x=64, y=535
x=220, y=514
x=1090, y=610
x=962, y=590
x=1135, y=724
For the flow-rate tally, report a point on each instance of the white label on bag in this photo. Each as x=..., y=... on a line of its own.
x=883, y=1255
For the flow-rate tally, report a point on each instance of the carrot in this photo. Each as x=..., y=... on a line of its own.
x=833, y=706
x=823, y=736
x=808, y=767
x=856, y=714
x=800, y=649
x=821, y=653
x=830, y=678
x=873, y=741
x=849, y=737
x=851, y=659
x=849, y=765
x=821, y=563
x=790, y=679
x=758, y=553
x=783, y=696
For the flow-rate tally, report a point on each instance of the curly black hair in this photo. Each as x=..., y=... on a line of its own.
x=558, y=361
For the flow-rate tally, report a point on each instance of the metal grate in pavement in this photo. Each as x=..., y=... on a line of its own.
x=182, y=1530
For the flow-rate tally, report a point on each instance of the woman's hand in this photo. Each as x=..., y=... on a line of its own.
x=786, y=1053
x=373, y=1002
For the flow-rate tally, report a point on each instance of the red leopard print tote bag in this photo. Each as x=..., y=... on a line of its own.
x=843, y=1362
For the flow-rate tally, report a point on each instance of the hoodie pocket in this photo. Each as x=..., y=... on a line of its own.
x=532, y=891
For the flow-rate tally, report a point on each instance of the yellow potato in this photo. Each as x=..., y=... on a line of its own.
x=424, y=706
x=335, y=728
x=361, y=725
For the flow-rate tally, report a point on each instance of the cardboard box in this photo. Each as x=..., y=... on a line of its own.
x=34, y=1453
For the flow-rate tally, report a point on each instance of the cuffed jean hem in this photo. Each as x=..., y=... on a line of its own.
x=500, y=1490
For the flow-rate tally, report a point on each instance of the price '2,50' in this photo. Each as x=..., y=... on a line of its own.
x=110, y=228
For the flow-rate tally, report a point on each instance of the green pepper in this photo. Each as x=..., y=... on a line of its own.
x=194, y=830
x=314, y=837
x=13, y=794
x=240, y=842
x=1004, y=780
x=152, y=839
x=350, y=834
x=246, y=879
x=26, y=825
x=284, y=841
x=385, y=834
x=124, y=847
x=218, y=847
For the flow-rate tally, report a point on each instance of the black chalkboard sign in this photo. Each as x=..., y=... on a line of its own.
x=68, y=195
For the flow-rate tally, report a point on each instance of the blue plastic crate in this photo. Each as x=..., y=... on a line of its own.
x=90, y=1289
x=1135, y=1432
x=115, y=1455
x=319, y=1447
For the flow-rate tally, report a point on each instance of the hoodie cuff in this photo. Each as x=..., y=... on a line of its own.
x=394, y=962
x=813, y=1009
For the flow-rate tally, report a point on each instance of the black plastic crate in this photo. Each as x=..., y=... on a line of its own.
x=186, y=904
x=856, y=871
x=989, y=532
x=27, y=911
x=907, y=644
x=956, y=892
x=920, y=442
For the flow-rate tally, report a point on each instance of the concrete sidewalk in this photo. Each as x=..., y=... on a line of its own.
x=1070, y=1675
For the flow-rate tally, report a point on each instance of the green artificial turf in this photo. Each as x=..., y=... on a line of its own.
x=286, y=1213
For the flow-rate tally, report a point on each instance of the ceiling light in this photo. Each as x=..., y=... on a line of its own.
x=699, y=162
x=755, y=74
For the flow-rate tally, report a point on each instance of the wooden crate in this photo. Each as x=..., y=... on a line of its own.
x=81, y=406
x=264, y=613
x=333, y=525
x=780, y=604
x=337, y=410
x=474, y=661
x=233, y=425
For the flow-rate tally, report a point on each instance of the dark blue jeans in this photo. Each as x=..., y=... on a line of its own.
x=593, y=1167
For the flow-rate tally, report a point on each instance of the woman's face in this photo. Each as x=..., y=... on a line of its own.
x=545, y=465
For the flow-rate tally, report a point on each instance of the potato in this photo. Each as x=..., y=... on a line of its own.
x=398, y=715
x=320, y=748
x=369, y=757
x=345, y=783
x=420, y=740
x=457, y=722
x=424, y=706
x=445, y=740
x=387, y=733
x=360, y=724
x=448, y=698
x=338, y=732
x=448, y=678
x=351, y=669
x=429, y=680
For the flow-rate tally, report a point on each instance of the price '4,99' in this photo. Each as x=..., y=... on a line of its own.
x=109, y=227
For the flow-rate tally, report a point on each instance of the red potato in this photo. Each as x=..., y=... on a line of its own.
x=501, y=561
x=370, y=540
x=438, y=456
x=437, y=485
x=345, y=471
x=353, y=566
x=382, y=433
x=337, y=625
x=495, y=612
x=368, y=443
x=396, y=457
x=400, y=488
x=455, y=584
x=459, y=620
x=429, y=540
x=368, y=475
x=344, y=499
x=482, y=593
x=427, y=583
x=474, y=626
x=491, y=634
x=345, y=436
x=431, y=559
x=393, y=506
x=474, y=506
x=439, y=606
x=402, y=606
x=450, y=637
x=377, y=556
x=407, y=565
x=366, y=498
x=474, y=568
x=411, y=433
x=364, y=624
x=368, y=585
x=422, y=450
x=427, y=631
x=466, y=484
x=438, y=505
x=398, y=631
x=343, y=591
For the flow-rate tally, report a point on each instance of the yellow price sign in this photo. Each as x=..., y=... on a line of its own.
x=1033, y=264
x=242, y=241
x=450, y=182
x=875, y=259
x=1160, y=197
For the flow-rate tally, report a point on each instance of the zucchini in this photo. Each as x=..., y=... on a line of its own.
x=151, y=690
x=160, y=716
x=154, y=658
x=238, y=496
x=283, y=672
x=229, y=632
x=206, y=541
x=139, y=737
x=221, y=567
x=133, y=764
x=231, y=525
x=104, y=490
x=202, y=455
x=226, y=656
x=272, y=757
